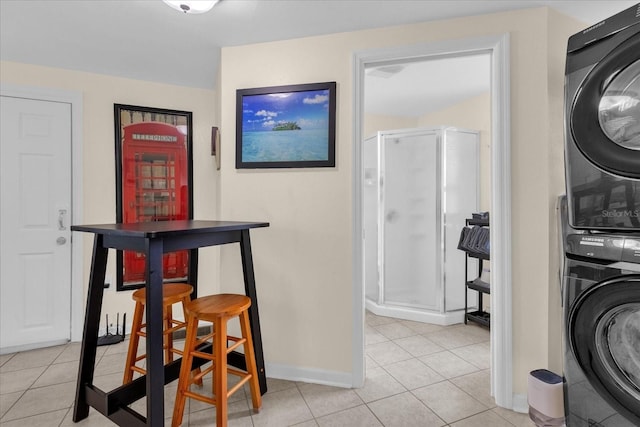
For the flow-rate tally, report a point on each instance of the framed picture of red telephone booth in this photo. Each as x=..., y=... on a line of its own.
x=154, y=182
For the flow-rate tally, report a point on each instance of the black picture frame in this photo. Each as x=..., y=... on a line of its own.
x=154, y=182
x=291, y=126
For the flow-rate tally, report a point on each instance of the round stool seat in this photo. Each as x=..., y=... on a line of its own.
x=212, y=307
x=171, y=293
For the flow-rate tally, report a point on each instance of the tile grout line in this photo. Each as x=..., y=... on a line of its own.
x=313, y=417
x=65, y=416
x=30, y=387
x=448, y=380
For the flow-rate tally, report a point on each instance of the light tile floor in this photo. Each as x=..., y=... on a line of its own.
x=418, y=375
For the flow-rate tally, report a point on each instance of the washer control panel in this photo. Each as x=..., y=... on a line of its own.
x=606, y=247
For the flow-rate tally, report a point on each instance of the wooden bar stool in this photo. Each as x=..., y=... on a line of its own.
x=217, y=309
x=172, y=293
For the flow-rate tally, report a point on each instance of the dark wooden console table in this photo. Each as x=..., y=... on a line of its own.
x=153, y=239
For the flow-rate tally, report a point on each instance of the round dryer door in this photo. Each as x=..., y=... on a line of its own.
x=605, y=117
x=604, y=333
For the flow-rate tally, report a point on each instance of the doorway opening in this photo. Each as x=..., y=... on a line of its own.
x=426, y=160
x=496, y=48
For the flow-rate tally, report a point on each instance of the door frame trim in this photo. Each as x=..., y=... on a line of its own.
x=74, y=98
x=501, y=299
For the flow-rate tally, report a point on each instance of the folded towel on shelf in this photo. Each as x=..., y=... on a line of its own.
x=463, y=236
x=480, y=215
x=475, y=240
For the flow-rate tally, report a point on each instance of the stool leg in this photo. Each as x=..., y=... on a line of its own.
x=185, y=370
x=185, y=301
x=250, y=359
x=168, y=354
x=220, y=377
x=134, y=340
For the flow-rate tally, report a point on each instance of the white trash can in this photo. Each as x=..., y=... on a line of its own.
x=546, y=398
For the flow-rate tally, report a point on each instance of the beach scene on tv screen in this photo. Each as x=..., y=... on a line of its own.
x=286, y=127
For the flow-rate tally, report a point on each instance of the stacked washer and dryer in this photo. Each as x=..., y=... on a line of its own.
x=601, y=224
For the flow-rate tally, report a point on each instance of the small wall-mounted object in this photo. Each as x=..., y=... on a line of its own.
x=214, y=137
x=215, y=145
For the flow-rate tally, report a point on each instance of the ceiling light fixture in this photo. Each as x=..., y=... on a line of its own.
x=191, y=6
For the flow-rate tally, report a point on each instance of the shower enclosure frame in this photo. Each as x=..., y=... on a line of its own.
x=447, y=263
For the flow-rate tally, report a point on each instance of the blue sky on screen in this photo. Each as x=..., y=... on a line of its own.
x=309, y=109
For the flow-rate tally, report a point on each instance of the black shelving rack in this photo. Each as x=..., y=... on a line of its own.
x=479, y=316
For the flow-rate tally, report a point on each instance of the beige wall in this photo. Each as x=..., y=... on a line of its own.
x=99, y=93
x=304, y=262
x=375, y=122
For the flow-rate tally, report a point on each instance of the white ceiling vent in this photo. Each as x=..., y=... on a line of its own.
x=385, y=71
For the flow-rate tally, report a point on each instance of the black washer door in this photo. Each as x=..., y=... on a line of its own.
x=605, y=118
x=604, y=333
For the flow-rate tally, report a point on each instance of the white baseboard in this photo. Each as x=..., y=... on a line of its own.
x=27, y=347
x=309, y=375
x=520, y=403
x=416, y=315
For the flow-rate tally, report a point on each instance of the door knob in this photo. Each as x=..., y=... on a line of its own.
x=61, y=240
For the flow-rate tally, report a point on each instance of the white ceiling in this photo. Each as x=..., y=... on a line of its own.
x=426, y=86
x=147, y=40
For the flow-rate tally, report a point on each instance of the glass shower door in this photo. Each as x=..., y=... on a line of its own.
x=410, y=220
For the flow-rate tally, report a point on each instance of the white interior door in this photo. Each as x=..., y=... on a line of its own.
x=35, y=217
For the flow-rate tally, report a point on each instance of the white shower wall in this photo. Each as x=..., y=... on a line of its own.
x=419, y=186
